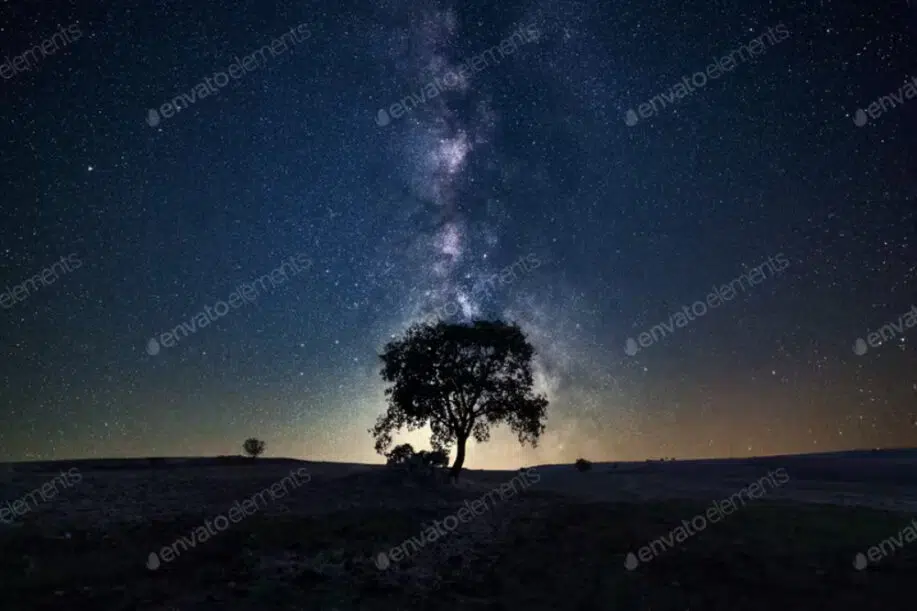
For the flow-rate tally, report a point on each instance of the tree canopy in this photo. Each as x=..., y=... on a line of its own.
x=460, y=379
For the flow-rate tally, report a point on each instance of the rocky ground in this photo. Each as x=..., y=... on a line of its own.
x=543, y=548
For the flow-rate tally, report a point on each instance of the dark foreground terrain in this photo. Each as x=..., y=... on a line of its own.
x=88, y=548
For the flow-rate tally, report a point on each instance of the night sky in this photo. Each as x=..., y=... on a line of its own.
x=119, y=225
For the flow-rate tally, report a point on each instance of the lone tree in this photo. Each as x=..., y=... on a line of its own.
x=460, y=379
x=253, y=447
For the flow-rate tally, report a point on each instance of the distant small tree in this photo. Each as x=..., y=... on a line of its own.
x=583, y=465
x=253, y=447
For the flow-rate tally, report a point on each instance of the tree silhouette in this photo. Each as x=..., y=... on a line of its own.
x=460, y=379
x=253, y=447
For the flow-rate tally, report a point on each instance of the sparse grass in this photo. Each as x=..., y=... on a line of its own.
x=555, y=555
x=767, y=556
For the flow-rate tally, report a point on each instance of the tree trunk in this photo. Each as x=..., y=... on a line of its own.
x=459, y=458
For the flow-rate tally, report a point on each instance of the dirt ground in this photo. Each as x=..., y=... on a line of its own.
x=561, y=543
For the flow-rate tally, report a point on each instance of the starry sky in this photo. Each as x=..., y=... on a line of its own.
x=135, y=222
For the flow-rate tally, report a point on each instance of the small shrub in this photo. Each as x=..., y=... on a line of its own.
x=418, y=466
x=418, y=463
x=405, y=455
x=400, y=455
x=583, y=465
x=438, y=458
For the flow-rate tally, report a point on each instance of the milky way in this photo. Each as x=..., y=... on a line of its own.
x=440, y=141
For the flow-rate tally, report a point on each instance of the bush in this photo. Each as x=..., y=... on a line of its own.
x=404, y=454
x=438, y=458
x=423, y=463
x=400, y=455
x=583, y=465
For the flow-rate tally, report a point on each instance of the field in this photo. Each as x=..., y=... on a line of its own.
x=558, y=543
